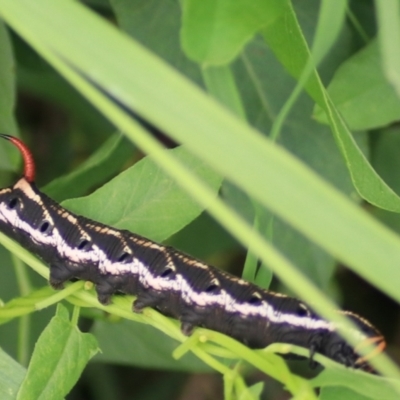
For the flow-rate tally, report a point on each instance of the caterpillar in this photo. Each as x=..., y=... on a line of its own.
x=166, y=279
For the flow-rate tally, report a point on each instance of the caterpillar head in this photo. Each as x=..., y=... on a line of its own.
x=335, y=347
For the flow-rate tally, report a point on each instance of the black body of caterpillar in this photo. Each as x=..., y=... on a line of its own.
x=164, y=278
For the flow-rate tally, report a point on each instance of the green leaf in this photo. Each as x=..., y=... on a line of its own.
x=204, y=238
x=286, y=40
x=60, y=355
x=102, y=164
x=363, y=106
x=214, y=32
x=11, y=376
x=144, y=200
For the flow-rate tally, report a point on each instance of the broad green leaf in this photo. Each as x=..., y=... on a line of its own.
x=104, y=163
x=363, y=106
x=141, y=345
x=204, y=238
x=11, y=376
x=8, y=159
x=60, y=355
x=144, y=200
x=214, y=32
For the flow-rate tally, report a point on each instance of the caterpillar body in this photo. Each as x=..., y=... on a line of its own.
x=166, y=279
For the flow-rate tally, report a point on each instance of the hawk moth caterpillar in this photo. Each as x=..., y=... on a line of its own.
x=167, y=279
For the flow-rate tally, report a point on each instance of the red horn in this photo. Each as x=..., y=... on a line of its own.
x=29, y=164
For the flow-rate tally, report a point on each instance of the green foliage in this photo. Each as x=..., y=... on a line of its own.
x=102, y=164
x=150, y=203
x=292, y=186
x=60, y=355
x=363, y=106
x=214, y=33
